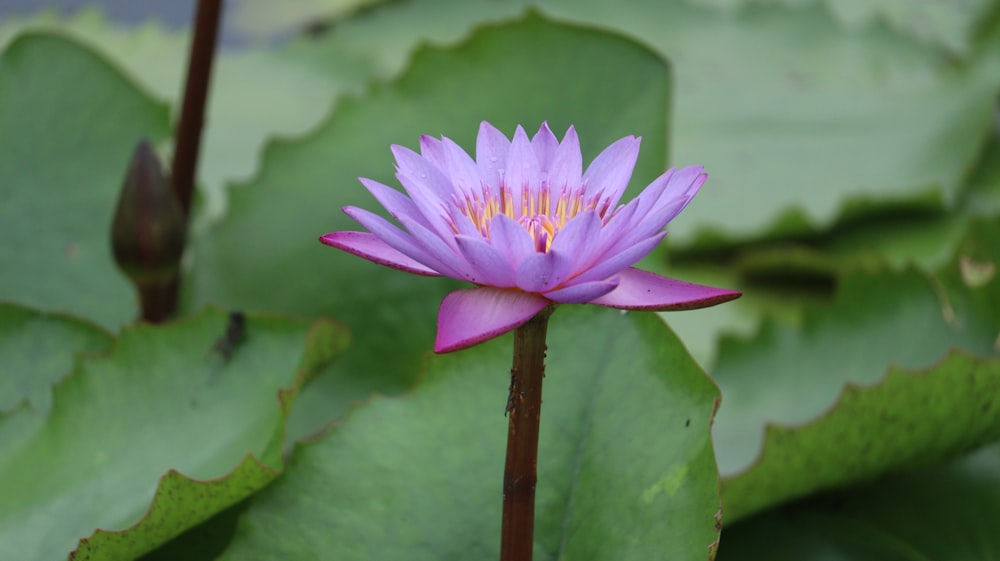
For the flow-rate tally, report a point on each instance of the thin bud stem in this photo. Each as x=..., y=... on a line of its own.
x=188, y=139
x=524, y=406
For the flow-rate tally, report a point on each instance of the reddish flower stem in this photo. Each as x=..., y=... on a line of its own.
x=524, y=407
x=192, y=119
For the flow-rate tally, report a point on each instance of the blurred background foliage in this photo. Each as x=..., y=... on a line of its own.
x=853, y=152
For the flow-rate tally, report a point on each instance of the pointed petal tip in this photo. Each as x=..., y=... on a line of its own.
x=642, y=290
x=519, y=132
x=609, y=173
x=486, y=126
x=571, y=135
x=368, y=246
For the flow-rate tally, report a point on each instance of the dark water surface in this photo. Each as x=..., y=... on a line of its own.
x=175, y=14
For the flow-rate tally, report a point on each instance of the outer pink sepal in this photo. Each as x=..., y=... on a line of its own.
x=469, y=317
x=642, y=290
x=375, y=250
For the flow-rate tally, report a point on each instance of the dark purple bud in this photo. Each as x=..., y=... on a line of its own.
x=148, y=233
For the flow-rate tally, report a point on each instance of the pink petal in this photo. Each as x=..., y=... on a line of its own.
x=510, y=239
x=428, y=203
x=567, y=164
x=399, y=240
x=370, y=247
x=578, y=237
x=464, y=223
x=680, y=186
x=392, y=200
x=639, y=231
x=424, y=176
x=462, y=169
x=651, y=195
x=491, y=154
x=611, y=264
x=433, y=151
x=611, y=170
x=642, y=290
x=583, y=292
x=541, y=272
x=469, y=317
x=660, y=203
x=427, y=187
x=617, y=227
x=443, y=250
x=545, y=144
x=490, y=265
x=522, y=168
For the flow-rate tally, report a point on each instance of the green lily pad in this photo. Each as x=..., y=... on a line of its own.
x=37, y=350
x=204, y=542
x=781, y=303
x=909, y=121
x=176, y=493
x=265, y=19
x=68, y=124
x=794, y=136
x=952, y=26
x=625, y=460
x=265, y=255
x=929, y=240
x=943, y=512
x=779, y=277
x=879, y=319
x=897, y=238
x=244, y=111
x=795, y=119
x=909, y=418
x=169, y=399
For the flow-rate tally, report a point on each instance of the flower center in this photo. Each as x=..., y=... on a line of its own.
x=537, y=211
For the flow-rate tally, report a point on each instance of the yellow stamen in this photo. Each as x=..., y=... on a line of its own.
x=536, y=212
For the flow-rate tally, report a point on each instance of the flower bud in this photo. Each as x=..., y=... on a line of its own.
x=148, y=233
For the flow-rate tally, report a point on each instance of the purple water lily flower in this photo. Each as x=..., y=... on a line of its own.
x=526, y=225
